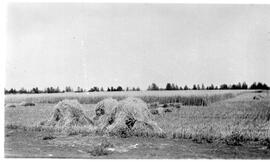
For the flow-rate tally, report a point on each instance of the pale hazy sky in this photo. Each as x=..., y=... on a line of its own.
x=136, y=44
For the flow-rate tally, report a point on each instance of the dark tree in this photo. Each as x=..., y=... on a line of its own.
x=223, y=86
x=173, y=86
x=79, y=89
x=253, y=86
x=259, y=85
x=57, y=90
x=119, y=88
x=211, y=87
x=239, y=86
x=198, y=87
x=35, y=90
x=68, y=89
x=244, y=85
x=234, y=86
x=11, y=91
x=22, y=90
x=265, y=86
x=203, y=87
x=186, y=87
x=168, y=86
x=94, y=89
x=153, y=87
x=112, y=89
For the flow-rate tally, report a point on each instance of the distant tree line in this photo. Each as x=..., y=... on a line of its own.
x=152, y=87
x=67, y=89
x=34, y=90
x=173, y=86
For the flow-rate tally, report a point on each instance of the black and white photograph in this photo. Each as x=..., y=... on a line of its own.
x=85, y=80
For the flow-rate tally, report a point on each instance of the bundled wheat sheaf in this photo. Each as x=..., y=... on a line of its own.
x=127, y=117
x=68, y=113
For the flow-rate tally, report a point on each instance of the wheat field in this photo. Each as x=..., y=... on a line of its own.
x=191, y=97
x=229, y=114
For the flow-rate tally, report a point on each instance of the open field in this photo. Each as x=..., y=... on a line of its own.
x=232, y=125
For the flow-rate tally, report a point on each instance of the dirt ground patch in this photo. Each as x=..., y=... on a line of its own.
x=19, y=143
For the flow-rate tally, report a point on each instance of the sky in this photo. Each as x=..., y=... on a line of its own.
x=86, y=45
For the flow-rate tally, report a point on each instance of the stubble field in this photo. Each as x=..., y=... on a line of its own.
x=231, y=123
